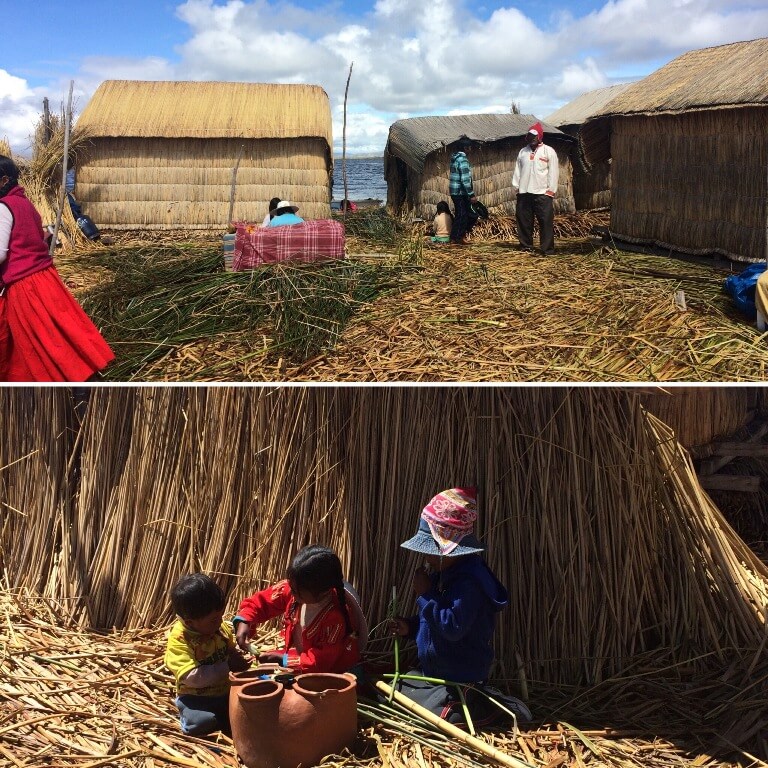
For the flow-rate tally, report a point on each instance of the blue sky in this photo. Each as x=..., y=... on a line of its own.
x=441, y=57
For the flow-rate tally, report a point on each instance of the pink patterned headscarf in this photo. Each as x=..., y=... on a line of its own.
x=451, y=516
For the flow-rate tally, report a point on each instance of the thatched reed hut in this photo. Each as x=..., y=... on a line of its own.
x=162, y=154
x=689, y=149
x=591, y=185
x=418, y=153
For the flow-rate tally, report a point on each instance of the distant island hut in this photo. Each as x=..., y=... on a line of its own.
x=689, y=149
x=591, y=185
x=418, y=153
x=161, y=154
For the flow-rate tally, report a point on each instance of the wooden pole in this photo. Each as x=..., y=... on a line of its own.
x=344, y=144
x=62, y=197
x=46, y=121
x=232, y=187
x=451, y=730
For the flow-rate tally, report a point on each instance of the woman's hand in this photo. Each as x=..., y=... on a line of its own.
x=242, y=633
x=271, y=657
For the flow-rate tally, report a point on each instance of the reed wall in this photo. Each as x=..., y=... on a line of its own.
x=492, y=168
x=696, y=181
x=591, y=513
x=163, y=183
x=701, y=415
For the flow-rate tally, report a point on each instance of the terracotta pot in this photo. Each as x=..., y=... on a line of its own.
x=237, y=679
x=296, y=722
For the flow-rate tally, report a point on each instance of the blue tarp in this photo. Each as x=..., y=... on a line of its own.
x=741, y=288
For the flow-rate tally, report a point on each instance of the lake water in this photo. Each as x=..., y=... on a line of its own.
x=365, y=178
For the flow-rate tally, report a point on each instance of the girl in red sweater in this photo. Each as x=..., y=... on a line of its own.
x=44, y=334
x=323, y=625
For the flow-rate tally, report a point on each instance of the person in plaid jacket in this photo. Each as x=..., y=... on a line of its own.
x=462, y=192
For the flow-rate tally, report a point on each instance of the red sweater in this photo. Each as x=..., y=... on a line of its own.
x=326, y=645
x=27, y=251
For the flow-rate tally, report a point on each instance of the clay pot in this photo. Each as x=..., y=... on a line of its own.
x=296, y=721
x=238, y=679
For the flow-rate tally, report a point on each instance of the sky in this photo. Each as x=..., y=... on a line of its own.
x=408, y=58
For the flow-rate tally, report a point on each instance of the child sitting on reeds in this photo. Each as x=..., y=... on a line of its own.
x=457, y=602
x=442, y=223
x=324, y=629
x=200, y=653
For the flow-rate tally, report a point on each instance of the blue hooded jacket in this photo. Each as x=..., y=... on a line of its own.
x=456, y=619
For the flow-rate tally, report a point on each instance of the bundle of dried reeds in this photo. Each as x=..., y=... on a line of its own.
x=567, y=225
x=41, y=178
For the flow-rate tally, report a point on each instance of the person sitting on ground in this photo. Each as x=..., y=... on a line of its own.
x=348, y=205
x=442, y=223
x=285, y=214
x=200, y=653
x=457, y=602
x=273, y=203
x=324, y=629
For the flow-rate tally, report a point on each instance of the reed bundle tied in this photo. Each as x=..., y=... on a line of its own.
x=41, y=178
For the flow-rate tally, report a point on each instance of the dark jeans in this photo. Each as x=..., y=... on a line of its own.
x=200, y=715
x=444, y=701
x=461, y=217
x=541, y=207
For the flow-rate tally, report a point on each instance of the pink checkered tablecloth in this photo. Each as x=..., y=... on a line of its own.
x=310, y=241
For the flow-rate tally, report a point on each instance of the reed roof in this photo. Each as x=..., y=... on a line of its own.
x=415, y=138
x=585, y=106
x=733, y=75
x=163, y=109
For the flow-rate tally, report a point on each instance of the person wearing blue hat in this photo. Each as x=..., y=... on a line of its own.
x=457, y=602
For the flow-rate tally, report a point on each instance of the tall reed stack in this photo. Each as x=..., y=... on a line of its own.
x=591, y=512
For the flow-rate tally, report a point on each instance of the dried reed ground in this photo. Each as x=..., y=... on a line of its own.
x=490, y=312
x=70, y=698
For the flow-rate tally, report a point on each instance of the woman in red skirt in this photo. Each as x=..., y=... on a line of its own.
x=44, y=333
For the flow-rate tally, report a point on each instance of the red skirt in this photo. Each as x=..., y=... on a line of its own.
x=45, y=335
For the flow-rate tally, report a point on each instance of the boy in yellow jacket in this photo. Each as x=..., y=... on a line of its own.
x=200, y=653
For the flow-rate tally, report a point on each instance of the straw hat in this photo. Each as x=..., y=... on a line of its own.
x=284, y=205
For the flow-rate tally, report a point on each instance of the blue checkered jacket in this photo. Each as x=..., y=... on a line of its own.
x=461, y=176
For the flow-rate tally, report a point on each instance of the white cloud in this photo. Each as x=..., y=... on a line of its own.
x=648, y=30
x=576, y=79
x=21, y=107
x=414, y=58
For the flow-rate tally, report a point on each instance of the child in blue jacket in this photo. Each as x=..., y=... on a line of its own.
x=457, y=604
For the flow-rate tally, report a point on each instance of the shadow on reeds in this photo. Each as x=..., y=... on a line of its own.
x=162, y=297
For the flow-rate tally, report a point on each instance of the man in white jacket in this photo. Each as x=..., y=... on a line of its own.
x=535, y=179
